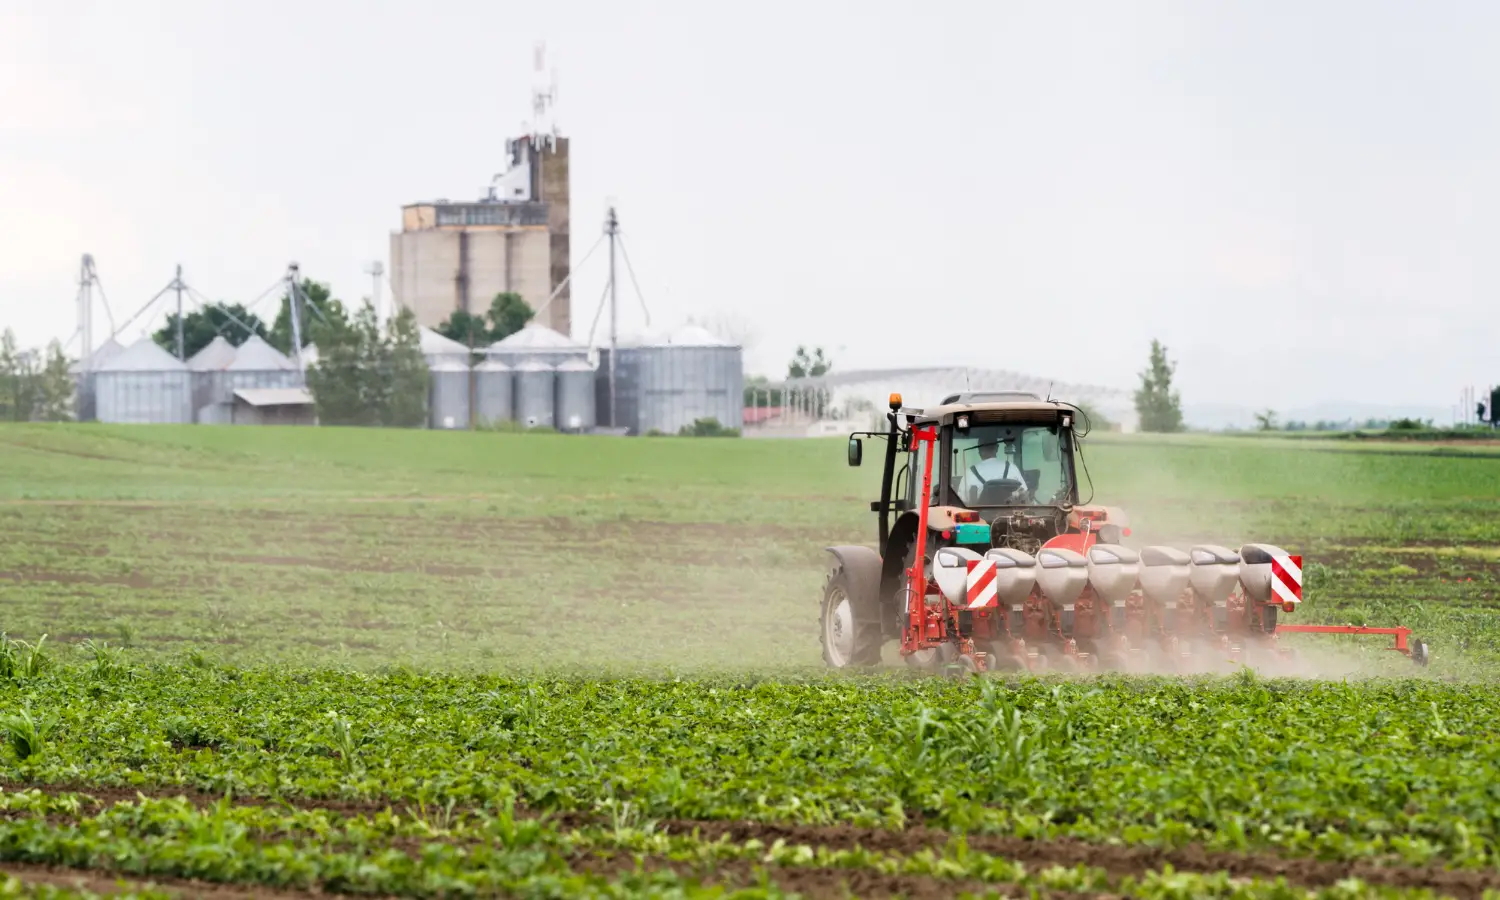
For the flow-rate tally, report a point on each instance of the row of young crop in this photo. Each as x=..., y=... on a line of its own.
x=491, y=853
x=1407, y=770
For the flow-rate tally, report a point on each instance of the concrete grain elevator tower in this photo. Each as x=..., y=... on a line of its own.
x=451, y=256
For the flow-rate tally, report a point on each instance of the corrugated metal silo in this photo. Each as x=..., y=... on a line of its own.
x=536, y=342
x=83, y=378
x=535, y=381
x=210, y=385
x=575, y=395
x=493, y=393
x=143, y=384
x=436, y=347
x=690, y=375
x=448, y=400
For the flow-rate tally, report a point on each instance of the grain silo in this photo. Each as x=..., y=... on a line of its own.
x=575, y=396
x=493, y=392
x=666, y=384
x=211, y=394
x=143, y=384
x=536, y=342
x=448, y=394
x=436, y=347
x=83, y=378
x=535, y=380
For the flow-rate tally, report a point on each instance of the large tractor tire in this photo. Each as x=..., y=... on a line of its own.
x=849, y=615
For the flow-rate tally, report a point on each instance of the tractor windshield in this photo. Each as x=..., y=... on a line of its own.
x=1008, y=465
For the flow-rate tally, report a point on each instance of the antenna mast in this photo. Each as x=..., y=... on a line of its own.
x=543, y=99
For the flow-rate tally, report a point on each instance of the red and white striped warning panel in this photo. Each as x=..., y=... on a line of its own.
x=1286, y=579
x=983, y=591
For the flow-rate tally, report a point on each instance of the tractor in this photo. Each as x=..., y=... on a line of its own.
x=988, y=560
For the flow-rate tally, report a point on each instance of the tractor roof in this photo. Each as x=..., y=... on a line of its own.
x=1034, y=410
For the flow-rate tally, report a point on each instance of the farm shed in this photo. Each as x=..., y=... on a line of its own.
x=273, y=406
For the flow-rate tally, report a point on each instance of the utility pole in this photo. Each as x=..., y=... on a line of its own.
x=376, y=271
x=612, y=228
x=294, y=304
x=86, y=311
x=177, y=284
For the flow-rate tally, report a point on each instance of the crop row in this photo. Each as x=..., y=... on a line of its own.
x=484, y=853
x=1389, y=769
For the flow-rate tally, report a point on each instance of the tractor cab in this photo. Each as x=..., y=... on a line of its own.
x=1002, y=475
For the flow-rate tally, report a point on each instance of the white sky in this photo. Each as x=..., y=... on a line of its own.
x=1298, y=198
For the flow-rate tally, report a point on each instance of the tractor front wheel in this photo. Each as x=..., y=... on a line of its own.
x=849, y=624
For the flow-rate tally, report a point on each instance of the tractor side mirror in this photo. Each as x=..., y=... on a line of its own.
x=856, y=451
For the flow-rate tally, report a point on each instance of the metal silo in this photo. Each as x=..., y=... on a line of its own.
x=211, y=394
x=436, y=348
x=690, y=375
x=143, y=384
x=575, y=395
x=257, y=364
x=534, y=393
x=493, y=394
x=536, y=342
x=83, y=378
x=448, y=402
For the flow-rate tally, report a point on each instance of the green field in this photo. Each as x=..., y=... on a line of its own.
x=443, y=664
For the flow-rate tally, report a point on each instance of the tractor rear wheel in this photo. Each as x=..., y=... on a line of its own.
x=849, y=623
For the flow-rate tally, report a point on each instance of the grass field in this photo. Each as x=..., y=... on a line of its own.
x=440, y=664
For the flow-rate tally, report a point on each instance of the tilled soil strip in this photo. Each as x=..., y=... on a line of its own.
x=105, y=884
x=1117, y=860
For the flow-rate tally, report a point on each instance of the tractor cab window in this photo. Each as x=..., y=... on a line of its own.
x=1008, y=465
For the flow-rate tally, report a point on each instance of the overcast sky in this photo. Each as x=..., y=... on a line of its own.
x=1299, y=198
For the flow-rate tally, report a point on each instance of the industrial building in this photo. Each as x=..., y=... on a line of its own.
x=451, y=256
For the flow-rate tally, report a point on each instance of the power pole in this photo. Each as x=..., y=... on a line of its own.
x=86, y=311
x=612, y=228
x=177, y=284
x=376, y=270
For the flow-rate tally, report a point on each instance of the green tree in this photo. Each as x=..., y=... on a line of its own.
x=508, y=314
x=200, y=326
x=319, y=312
x=805, y=366
x=55, y=390
x=364, y=377
x=1096, y=420
x=35, y=386
x=1158, y=406
x=466, y=328
x=1265, y=420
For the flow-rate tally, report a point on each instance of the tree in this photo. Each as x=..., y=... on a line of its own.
x=1094, y=419
x=200, y=326
x=364, y=377
x=319, y=311
x=804, y=366
x=1158, y=406
x=508, y=314
x=34, y=387
x=409, y=378
x=1266, y=420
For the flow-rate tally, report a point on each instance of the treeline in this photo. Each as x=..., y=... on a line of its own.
x=35, y=385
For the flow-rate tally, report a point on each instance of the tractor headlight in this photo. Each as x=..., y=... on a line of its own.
x=963, y=422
